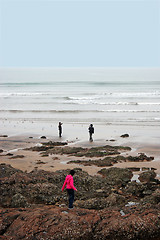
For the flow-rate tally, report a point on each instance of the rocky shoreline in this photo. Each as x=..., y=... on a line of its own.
x=109, y=205
x=32, y=205
x=53, y=223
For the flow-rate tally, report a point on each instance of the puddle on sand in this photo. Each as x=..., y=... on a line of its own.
x=63, y=162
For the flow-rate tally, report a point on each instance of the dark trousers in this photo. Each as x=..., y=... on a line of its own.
x=71, y=197
x=90, y=136
x=60, y=133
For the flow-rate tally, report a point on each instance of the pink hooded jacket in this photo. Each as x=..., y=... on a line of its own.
x=69, y=182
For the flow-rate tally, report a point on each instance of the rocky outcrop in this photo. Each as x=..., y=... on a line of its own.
x=19, y=200
x=21, y=189
x=116, y=176
x=141, y=158
x=108, y=207
x=100, y=203
x=7, y=170
x=51, y=148
x=152, y=198
x=44, y=147
x=111, y=160
x=17, y=156
x=147, y=176
x=54, y=223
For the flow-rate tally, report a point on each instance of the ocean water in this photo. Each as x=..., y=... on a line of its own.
x=81, y=95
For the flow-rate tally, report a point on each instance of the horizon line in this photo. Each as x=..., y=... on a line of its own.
x=80, y=67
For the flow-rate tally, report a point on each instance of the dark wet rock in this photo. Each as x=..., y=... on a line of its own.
x=116, y=176
x=153, y=168
x=131, y=226
x=39, y=148
x=51, y=148
x=141, y=158
x=111, y=160
x=16, y=182
x=92, y=203
x=135, y=189
x=18, y=200
x=17, y=156
x=7, y=170
x=43, y=193
x=9, y=154
x=101, y=203
x=55, y=158
x=98, y=163
x=153, y=198
x=106, y=162
x=134, y=169
x=35, y=188
x=53, y=144
x=140, y=190
x=145, y=168
x=147, y=176
x=44, y=155
x=41, y=186
x=88, y=185
x=116, y=199
x=18, y=177
x=46, y=146
x=91, y=152
x=40, y=162
x=96, y=192
x=43, y=137
x=125, y=135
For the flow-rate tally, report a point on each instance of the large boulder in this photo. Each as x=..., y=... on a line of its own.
x=125, y=135
x=135, y=189
x=116, y=176
x=147, y=176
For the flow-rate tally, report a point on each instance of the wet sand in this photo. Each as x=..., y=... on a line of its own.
x=16, y=144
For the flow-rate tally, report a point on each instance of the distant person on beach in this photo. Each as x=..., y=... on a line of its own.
x=60, y=129
x=91, y=131
x=70, y=188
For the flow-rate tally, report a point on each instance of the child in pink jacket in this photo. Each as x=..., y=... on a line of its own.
x=70, y=188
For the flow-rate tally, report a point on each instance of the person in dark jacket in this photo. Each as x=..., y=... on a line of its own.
x=60, y=129
x=70, y=188
x=91, y=131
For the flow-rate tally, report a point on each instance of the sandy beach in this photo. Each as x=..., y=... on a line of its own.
x=141, y=140
x=115, y=101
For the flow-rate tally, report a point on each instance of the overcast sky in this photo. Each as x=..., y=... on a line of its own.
x=49, y=33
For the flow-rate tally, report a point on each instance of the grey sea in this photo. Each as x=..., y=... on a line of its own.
x=80, y=95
